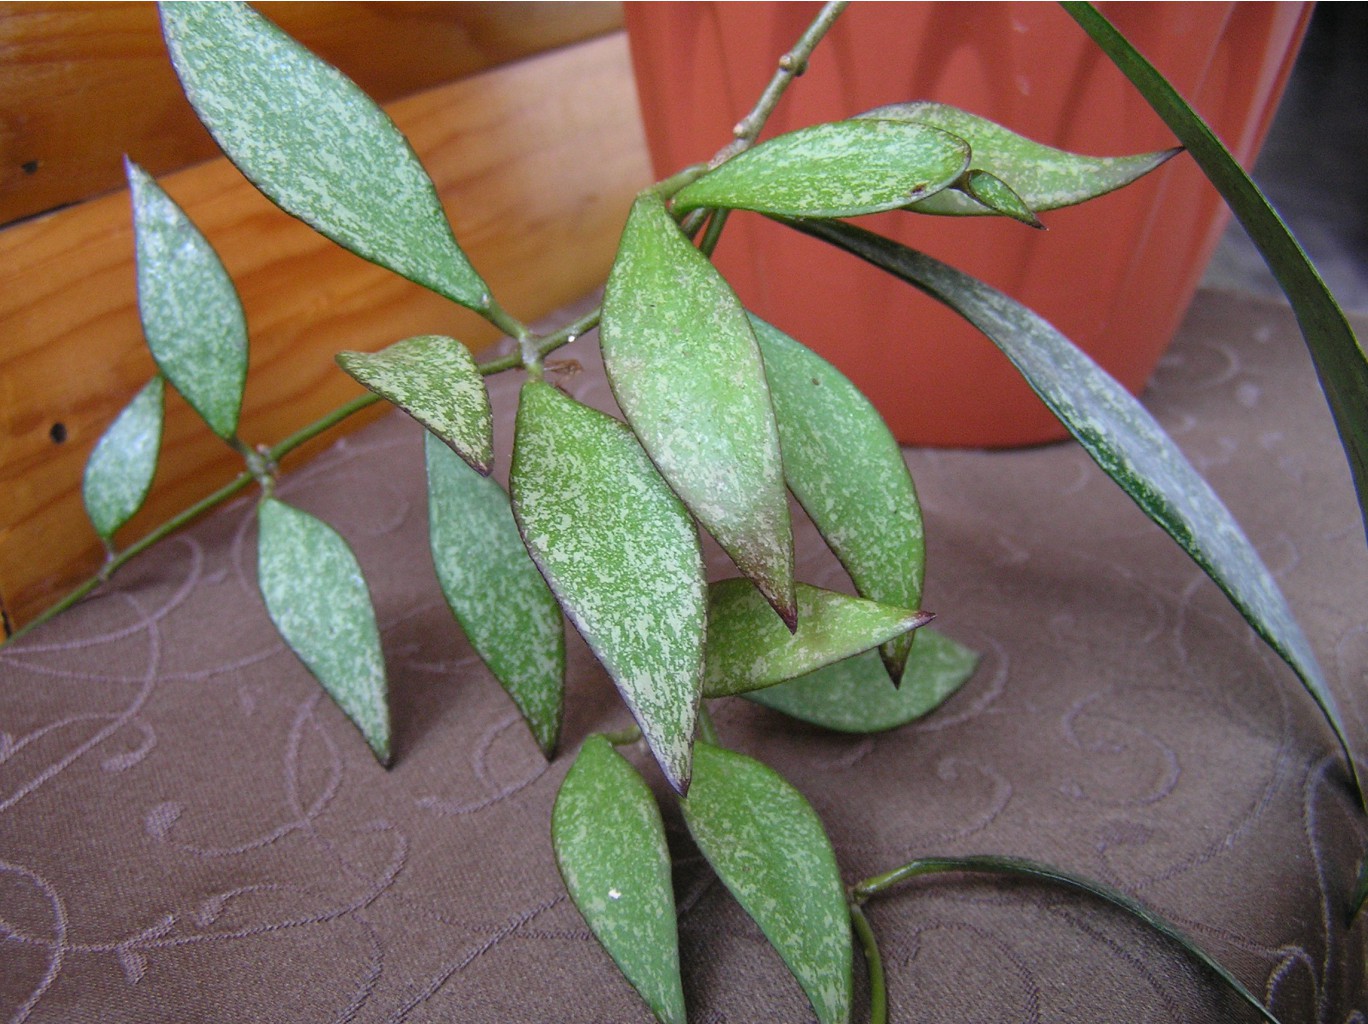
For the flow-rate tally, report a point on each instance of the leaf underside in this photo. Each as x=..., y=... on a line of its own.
x=623, y=558
x=119, y=472
x=317, y=598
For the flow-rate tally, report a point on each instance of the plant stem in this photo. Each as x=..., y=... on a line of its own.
x=878, y=988
x=1018, y=868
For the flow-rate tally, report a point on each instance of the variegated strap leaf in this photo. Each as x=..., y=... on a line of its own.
x=621, y=555
x=847, y=471
x=317, y=598
x=749, y=648
x=315, y=144
x=119, y=472
x=610, y=848
x=435, y=380
x=191, y=314
x=854, y=696
x=508, y=613
x=1043, y=177
x=769, y=848
x=841, y=169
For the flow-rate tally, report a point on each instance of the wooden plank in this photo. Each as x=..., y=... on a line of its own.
x=536, y=162
x=83, y=83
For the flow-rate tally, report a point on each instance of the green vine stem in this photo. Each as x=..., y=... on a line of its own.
x=878, y=987
x=1018, y=868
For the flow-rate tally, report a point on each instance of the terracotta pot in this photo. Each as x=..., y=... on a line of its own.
x=1115, y=275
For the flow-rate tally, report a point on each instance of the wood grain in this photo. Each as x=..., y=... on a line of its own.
x=536, y=162
x=81, y=84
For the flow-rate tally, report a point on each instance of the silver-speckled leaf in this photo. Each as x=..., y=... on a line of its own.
x=191, y=315
x=769, y=848
x=1121, y=436
x=998, y=196
x=317, y=598
x=434, y=379
x=621, y=555
x=847, y=471
x=610, y=848
x=1044, y=177
x=748, y=646
x=503, y=604
x=841, y=169
x=854, y=695
x=315, y=144
x=119, y=472
x=686, y=371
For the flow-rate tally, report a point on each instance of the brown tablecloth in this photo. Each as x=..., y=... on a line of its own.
x=190, y=832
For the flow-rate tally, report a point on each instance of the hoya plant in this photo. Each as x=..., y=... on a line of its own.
x=723, y=417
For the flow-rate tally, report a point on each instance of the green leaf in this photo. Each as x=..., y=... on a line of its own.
x=998, y=196
x=749, y=648
x=1339, y=357
x=191, y=314
x=119, y=472
x=315, y=144
x=684, y=366
x=493, y=588
x=317, y=598
x=1123, y=438
x=610, y=848
x=841, y=169
x=854, y=696
x=1043, y=177
x=622, y=556
x=435, y=380
x=847, y=471
x=769, y=848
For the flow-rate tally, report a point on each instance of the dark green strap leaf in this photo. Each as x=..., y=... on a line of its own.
x=749, y=647
x=503, y=604
x=191, y=314
x=621, y=555
x=119, y=472
x=769, y=848
x=315, y=144
x=610, y=848
x=435, y=380
x=684, y=366
x=840, y=169
x=854, y=695
x=1123, y=438
x=847, y=471
x=317, y=598
x=1043, y=177
x=1339, y=358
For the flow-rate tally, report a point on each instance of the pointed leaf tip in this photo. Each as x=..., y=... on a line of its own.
x=610, y=848
x=315, y=144
x=120, y=469
x=316, y=596
x=621, y=555
x=685, y=368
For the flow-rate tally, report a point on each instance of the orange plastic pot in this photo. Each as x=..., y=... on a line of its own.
x=1115, y=274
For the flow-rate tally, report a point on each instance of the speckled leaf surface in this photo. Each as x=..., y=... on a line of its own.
x=315, y=144
x=854, y=696
x=610, y=848
x=119, y=472
x=847, y=471
x=1044, y=177
x=191, y=315
x=1121, y=436
x=767, y=845
x=841, y=169
x=685, y=369
x=749, y=647
x=317, y=598
x=505, y=607
x=434, y=379
x=622, y=556
x=994, y=193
